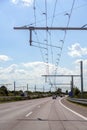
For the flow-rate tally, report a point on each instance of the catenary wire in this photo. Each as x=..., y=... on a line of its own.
x=56, y=15
x=58, y=59
x=34, y=8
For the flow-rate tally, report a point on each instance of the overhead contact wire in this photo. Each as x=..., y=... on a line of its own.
x=69, y=17
x=67, y=26
x=47, y=66
x=34, y=8
x=51, y=26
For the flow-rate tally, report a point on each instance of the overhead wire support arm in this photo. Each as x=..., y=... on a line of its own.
x=26, y=28
x=49, y=28
x=60, y=84
x=31, y=28
x=60, y=75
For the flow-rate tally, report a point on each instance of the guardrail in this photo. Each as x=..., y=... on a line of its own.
x=78, y=100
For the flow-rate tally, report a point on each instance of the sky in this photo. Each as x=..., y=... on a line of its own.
x=52, y=51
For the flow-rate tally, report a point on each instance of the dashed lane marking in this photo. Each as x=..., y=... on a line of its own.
x=29, y=114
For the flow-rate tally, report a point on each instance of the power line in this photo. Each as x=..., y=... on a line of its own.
x=52, y=55
x=47, y=44
x=69, y=17
x=46, y=11
x=54, y=12
x=34, y=7
x=46, y=40
x=58, y=59
x=61, y=13
x=40, y=47
x=51, y=49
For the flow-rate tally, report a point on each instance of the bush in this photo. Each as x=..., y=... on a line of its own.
x=3, y=91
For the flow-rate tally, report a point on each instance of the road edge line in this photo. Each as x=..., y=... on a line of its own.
x=83, y=117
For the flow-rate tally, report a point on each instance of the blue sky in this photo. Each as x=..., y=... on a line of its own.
x=23, y=63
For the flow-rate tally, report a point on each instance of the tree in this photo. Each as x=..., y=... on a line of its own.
x=76, y=91
x=3, y=91
x=59, y=91
x=67, y=92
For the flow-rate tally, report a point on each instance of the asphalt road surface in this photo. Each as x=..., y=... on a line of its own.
x=42, y=114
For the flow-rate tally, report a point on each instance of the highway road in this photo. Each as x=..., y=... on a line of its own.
x=42, y=114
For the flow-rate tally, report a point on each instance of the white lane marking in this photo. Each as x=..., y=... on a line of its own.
x=83, y=117
x=29, y=114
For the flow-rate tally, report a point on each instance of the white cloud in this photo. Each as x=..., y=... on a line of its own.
x=64, y=71
x=4, y=58
x=31, y=73
x=22, y=2
x=14, y=1
x=26, y=72
x=37, y=69
x=27, y=2
x=77, y=51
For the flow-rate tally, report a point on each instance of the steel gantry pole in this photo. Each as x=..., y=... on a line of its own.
x=14, y=88
x=81, y=67
x=72, y=85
